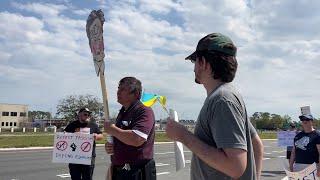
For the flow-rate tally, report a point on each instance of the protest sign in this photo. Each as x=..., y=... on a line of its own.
x=305, y=110
x=309, y=173
x=73, y=148
x=285, y=138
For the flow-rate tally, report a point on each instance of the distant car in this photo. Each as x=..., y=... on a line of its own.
x=52, y=127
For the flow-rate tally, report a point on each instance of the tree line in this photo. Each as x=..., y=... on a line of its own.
x=68, y=107
x=268, y=121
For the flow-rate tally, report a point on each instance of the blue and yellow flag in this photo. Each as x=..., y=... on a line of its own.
x=149, y=99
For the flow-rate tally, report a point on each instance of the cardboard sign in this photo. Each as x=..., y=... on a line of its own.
x=309, y=173
x=94, y=28
x=305, y=110
x=285, y=138
x=72, y=148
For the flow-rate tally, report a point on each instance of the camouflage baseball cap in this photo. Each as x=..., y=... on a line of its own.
x=214, y=42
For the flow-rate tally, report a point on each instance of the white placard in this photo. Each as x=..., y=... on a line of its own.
x=72, y=148
x=178, y=147
x=309, y=173
x=285, y=138
x=85, y=130
x=305, y=110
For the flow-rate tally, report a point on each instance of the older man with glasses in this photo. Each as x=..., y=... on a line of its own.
x=84, y=124
x=306, y=146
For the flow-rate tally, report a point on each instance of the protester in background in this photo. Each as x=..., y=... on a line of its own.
x=306, y=147
x=81, y=124
x=221, y=143
x=289, y=148
x=132, y=149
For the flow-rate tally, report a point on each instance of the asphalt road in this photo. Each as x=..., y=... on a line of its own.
x=37, y=165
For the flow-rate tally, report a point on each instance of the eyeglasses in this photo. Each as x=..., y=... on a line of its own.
x=86, y=114
x=193, y=61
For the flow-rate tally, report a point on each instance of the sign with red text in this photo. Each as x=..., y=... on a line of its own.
x=73, y=148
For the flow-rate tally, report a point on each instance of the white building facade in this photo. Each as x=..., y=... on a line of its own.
x=12, y=115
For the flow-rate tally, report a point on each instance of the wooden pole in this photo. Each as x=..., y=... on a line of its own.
x=105, y=105
x=105, y=97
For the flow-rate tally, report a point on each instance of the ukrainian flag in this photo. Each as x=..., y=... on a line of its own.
x=149, y=99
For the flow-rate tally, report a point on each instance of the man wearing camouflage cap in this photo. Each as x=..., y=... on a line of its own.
x=221, y=144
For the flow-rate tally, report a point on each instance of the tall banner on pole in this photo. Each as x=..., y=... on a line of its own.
x=94, y=30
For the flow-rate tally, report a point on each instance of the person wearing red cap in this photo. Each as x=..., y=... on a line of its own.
x=82, y=123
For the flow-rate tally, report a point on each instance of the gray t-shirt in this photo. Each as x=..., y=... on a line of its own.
x=223, y=123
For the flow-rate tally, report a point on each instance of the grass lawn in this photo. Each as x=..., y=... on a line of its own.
x=268, y=135
x=26, y=141
x=19, y=140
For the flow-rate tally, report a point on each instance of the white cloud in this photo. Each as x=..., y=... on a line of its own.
x=82, y=12
x=286, y=19
x=14, y=26
x=161, y=7
x=278, y=51
x=44, y=9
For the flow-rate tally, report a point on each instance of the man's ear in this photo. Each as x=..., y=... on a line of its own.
x=137, y=95
x=201, y=61
x=204, y=63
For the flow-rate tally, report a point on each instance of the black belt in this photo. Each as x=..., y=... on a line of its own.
x=141, y=171
x=128, y=166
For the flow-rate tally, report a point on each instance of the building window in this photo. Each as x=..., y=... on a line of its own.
x=10, y=124
x=7, y=124
x=5, y=113
x=13, y=113
x=15, y=124
x=23, y=114
x=2, y=124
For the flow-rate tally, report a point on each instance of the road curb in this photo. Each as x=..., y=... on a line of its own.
x=48, y=148
x=25, y=149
